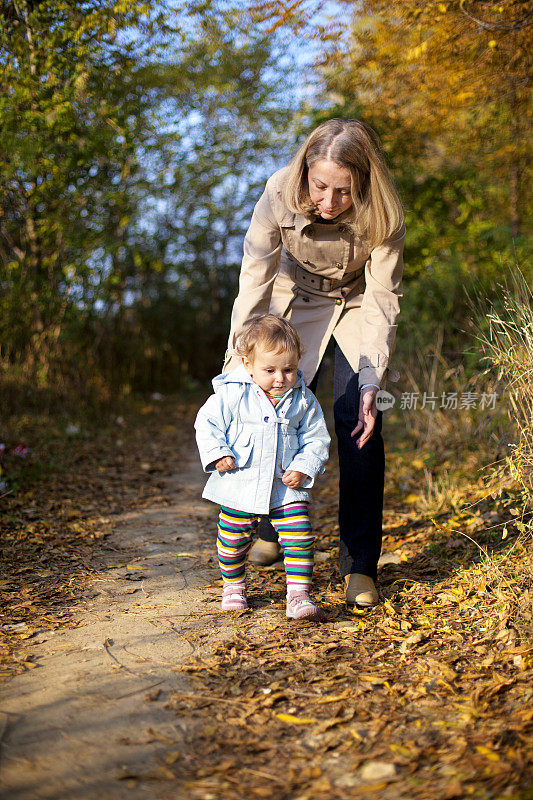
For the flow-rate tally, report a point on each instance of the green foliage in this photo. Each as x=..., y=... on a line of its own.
x=72, y=117
x=134, y=142
x=459, y=237
x=126, y=146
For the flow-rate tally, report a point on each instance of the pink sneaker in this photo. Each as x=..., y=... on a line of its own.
x=300, y=606
x=234, y=598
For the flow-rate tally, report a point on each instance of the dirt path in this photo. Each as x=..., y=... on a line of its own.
x=157, y=695
x=94, y=710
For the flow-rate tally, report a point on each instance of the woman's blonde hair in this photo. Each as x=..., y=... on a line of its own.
x=272, y=334
x=376, y=211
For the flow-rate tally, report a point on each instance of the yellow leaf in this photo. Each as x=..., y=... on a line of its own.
x=372, y=679
x=134, y=566
x=412, y=498
x=443, y=8
x=490, y=754
x=418, y=463
x=461, y=97
x=295, y=720
x=403, y=751
x=333, y=698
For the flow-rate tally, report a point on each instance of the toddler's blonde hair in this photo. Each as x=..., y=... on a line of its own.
x=270, y=332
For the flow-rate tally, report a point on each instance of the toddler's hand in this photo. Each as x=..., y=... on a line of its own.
x=225, y=463
x=293, y=479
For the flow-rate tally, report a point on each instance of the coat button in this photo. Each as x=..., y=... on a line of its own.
x=266, y=419
x=338, y=301
x=338, y=265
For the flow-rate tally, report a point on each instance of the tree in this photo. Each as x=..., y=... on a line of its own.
x=454, y=78
x=132, y=147
x=234, y=129
x=71, y=117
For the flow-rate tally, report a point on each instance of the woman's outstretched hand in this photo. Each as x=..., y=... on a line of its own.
x=367, y=415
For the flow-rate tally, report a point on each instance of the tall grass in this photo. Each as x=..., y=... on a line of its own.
x=479, y=461
x=507, y=345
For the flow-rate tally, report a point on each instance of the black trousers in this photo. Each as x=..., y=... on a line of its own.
x=361, y=479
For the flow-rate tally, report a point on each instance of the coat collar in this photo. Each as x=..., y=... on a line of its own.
x=303, y=221
x=240, y=375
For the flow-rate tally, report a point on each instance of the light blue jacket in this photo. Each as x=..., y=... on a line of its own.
x=240, y=421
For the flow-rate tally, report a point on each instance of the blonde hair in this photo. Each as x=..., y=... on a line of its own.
x=271, y=333
x=376, y=211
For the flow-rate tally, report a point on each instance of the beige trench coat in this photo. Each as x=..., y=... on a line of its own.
x=321, y=277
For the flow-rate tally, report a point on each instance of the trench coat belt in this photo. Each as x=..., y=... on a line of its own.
x=317, y=283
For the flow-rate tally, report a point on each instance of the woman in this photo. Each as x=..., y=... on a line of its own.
x=325, y=249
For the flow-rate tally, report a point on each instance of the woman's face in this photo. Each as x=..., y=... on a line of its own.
x=329, y=188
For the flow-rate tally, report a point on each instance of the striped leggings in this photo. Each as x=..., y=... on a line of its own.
x=291, y=523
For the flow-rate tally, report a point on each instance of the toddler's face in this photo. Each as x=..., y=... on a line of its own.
x=273, y=372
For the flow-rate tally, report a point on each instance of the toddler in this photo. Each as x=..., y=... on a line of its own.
x=263, y=437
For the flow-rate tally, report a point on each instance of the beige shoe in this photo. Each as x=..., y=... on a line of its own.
x=264, y=554
x=360, y=590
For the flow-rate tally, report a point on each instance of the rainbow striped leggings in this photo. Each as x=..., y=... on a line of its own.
x=291, y=523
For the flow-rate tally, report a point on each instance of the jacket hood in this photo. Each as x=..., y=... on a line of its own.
x=240, y=375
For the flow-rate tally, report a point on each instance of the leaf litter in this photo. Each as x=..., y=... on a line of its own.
x=53, y=530
x=427, y=695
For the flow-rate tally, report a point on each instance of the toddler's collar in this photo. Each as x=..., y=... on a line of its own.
x=241, y=375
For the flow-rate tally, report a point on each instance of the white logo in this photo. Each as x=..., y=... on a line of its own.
x=384, y=400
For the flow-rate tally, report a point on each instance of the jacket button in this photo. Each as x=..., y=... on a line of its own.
x=338, y=301
x=338, y=265
x=266, y=419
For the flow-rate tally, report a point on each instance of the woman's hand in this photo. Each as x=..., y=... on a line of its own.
x=292, y=478
x=224, y=464
x=367, y=415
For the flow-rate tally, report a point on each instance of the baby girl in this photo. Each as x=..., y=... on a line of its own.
x=263, y=437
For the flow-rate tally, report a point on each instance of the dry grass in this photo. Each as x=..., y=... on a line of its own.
x=508, y=349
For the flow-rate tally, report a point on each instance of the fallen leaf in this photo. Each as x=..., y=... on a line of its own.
x=290, y=719
x=453, y=789
x=374, y=771
x=414, y=638
x=485, y=751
